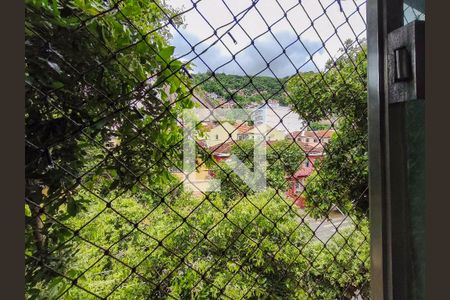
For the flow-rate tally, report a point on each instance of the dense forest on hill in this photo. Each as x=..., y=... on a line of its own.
x=244, y=92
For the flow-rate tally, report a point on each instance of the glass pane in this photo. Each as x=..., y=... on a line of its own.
x=413, y=10
x=415, y=139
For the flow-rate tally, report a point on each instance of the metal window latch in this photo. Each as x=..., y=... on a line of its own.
x=402, y=65
x=405, y=63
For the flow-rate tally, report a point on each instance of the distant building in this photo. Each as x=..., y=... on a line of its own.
x=268, y=132
x=227, y=104
x=223, y=132
x=242, y=129
x=213, y=95
x=298, y=180
x=221, y=151
x=276, y=116
x=317, y=136
x=312, y=143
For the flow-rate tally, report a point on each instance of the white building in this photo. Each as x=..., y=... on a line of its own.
x=279, y=117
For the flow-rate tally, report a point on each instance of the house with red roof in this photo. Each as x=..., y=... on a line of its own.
x=312, y=143
x=242, y=130
x=221, y=151
x=311, y=136
x=298, y=180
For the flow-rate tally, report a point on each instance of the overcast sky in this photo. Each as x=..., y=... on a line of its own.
x=253, y=23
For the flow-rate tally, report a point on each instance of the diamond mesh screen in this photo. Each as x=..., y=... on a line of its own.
x=113, y=208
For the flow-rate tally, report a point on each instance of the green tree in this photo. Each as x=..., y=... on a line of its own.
x=318, y=126
x=340, y=269
x=257, y=90
x=204, y=248
x=340, y=91
x=283, y=159
x=102, y=91
x=341, y=177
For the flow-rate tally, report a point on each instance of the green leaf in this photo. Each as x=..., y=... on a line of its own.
x=55, y=8
x=27, y=210
x=72, y=208
x=166, y=53
x=57, y=84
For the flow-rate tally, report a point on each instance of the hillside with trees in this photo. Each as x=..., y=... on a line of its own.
x=240, y=88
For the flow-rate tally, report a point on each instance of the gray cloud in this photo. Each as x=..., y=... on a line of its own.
x=249, y=59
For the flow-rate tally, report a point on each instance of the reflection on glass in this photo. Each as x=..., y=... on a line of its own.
x=411, y=14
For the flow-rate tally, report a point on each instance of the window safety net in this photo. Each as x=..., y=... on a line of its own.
x=209, y=149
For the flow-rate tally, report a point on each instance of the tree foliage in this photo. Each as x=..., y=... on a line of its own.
x=318, y=126
x=341, y=177
x=100, y=100
x=283, y=159
x=339, y=92
x=240, y=89
x=201, y=249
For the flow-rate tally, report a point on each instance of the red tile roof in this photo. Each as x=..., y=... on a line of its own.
x=293, y=134
x=319, y=133
x=311, y=148
x=242, y=127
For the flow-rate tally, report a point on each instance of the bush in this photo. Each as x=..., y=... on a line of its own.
x=200, y=248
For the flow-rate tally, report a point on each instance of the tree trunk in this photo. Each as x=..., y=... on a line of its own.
x=38, y=226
